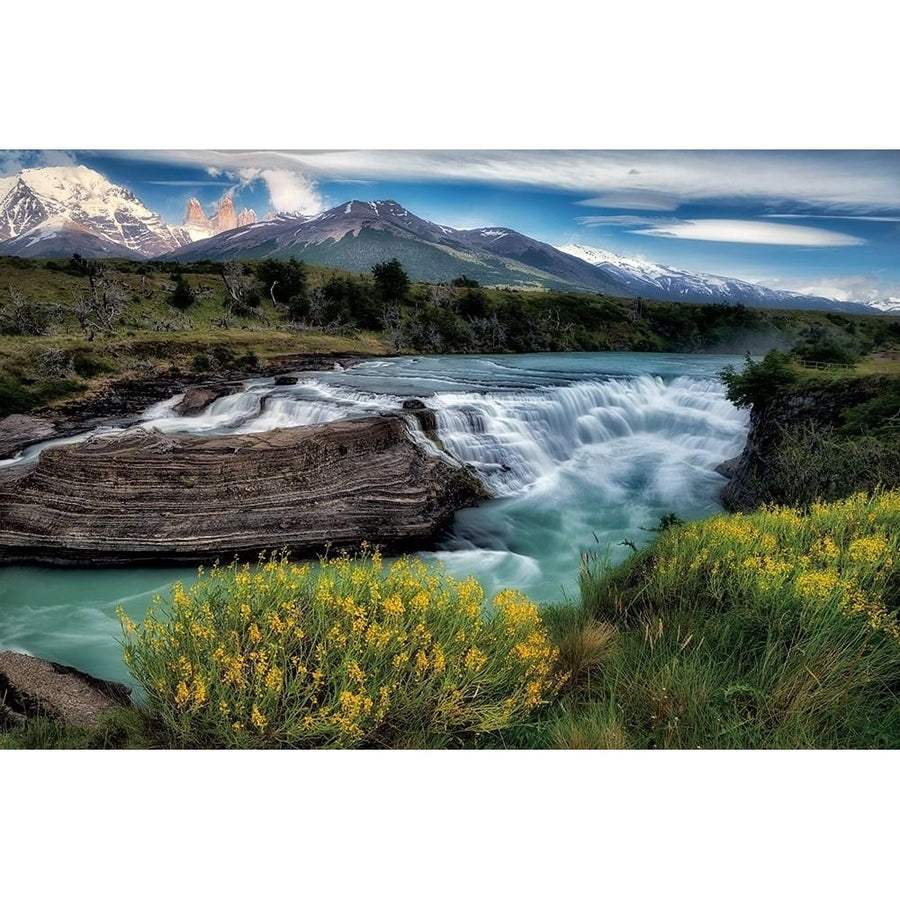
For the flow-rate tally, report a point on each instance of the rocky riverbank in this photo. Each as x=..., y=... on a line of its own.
x=817, y=440
x=32, y=688
x=120, y=400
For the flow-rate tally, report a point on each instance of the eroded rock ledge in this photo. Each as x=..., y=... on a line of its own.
x=149, y=497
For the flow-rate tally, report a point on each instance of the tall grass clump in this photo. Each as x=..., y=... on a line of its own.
x=775, y=629
x=348, y=653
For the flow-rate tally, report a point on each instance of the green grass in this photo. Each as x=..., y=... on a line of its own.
x=120, y=729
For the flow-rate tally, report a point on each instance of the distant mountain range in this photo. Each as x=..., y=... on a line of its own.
x=61, y=210
x=359, y=234
x=656, y=282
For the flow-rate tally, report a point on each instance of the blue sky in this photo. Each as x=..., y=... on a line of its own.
x=825, y=222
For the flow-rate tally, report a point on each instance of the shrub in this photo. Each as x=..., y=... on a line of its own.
x=348, y=653
x=824, y=349
x=811, y=462
x=183, y=295
x=759, y=382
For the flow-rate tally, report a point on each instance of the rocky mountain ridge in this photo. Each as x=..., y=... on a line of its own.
x=200, y=226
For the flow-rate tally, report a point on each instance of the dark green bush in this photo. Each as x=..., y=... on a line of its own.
x=759, y=382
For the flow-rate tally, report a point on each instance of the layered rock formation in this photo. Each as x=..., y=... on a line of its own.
x=17, y=432
x=144, y=496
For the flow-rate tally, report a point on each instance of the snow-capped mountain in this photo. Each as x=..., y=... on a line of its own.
x=58, y=210
x=656, y=282
x=886, y=304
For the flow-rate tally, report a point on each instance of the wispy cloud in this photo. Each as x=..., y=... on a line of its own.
x=13, y=161
x=861, y=288
x=188, y=183
x=833, y=181
x=658, y=200
x=739, y=231
x=626, y=220
x=831, y=216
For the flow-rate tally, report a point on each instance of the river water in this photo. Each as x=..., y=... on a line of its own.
x=582, y=451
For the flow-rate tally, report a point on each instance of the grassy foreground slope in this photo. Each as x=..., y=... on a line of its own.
x=772, y=630
x=777, y=629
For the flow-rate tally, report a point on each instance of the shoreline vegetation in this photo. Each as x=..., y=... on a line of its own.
x=773, y=626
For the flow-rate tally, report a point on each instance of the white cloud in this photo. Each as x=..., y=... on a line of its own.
x=248, y=174
x=632, y=221
x=838, y=181
x=749, y=232
x=292, y=192
x=651, y=200
x=859, y=288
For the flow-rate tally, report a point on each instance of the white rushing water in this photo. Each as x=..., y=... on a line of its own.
x=581, y=451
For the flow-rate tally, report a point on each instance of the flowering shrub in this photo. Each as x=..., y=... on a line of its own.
x=839, y=557
x=344, y=654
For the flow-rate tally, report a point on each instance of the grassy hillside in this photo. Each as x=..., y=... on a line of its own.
x=69, y=326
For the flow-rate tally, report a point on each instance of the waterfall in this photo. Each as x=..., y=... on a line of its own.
x=581, y=451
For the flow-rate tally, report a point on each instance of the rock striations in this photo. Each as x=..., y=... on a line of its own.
x=149, y=497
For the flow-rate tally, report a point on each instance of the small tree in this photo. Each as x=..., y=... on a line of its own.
x=25, y=317
x=391, y=281
x=285, y=283
x=183, y=295
x=102, y=305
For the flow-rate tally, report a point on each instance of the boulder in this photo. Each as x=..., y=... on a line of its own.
x=18, y=432
x=424, y=416
x=196, y=399
x=36, y=687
